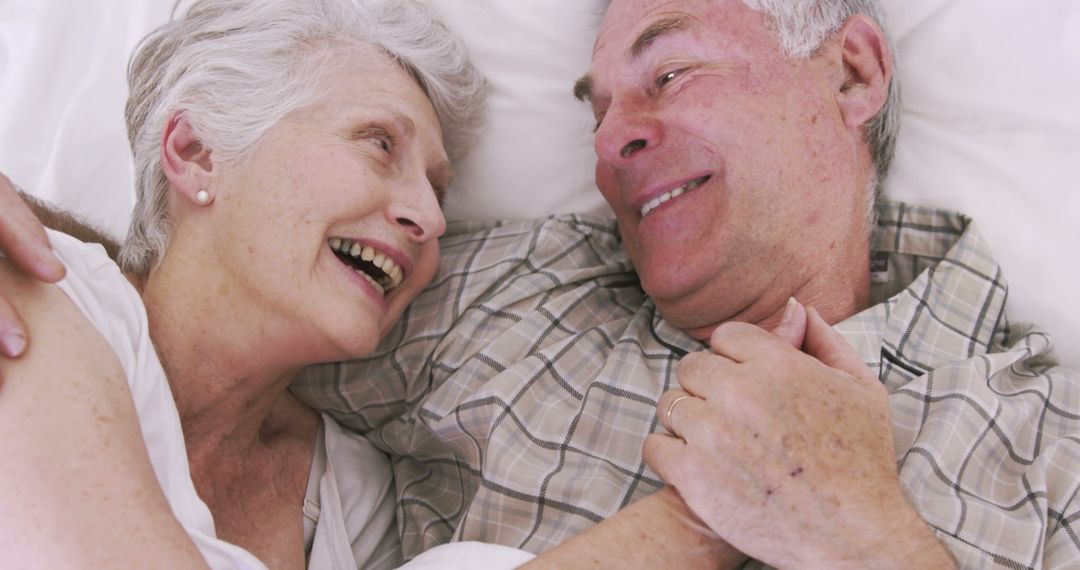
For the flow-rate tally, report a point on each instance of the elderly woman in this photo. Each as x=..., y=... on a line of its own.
x=289, y=163
x=290, y=158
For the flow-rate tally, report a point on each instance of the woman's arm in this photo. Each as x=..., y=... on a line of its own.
x=658, y=531
x=77, y=489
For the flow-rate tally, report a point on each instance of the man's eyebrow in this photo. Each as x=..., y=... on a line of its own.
x=654, y=31
x=583, y=88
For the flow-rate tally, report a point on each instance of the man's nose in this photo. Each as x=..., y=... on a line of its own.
x=627, y=130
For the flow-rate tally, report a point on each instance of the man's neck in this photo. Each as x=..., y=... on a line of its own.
x=837, y=292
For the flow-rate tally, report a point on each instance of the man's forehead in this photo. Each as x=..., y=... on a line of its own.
x=626, y=20
x=630, y=27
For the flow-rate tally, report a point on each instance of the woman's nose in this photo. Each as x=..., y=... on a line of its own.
x=417, y=209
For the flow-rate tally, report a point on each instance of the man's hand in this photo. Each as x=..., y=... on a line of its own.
x=789, y=455
x=23, y=240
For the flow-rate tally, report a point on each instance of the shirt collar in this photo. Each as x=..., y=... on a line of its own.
x=938, y=294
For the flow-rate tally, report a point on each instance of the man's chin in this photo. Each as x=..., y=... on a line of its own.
x=691, y=320
x=700, y=333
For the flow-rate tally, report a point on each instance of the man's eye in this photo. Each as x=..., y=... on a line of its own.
x=668, y=77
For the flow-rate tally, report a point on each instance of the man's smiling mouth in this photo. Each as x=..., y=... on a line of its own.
x=657, y=201
x=377, y=267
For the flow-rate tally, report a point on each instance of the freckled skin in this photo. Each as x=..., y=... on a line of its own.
x=255, y=269
x=313, y=177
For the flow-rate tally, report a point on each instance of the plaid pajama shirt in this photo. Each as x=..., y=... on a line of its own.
x=515, y=394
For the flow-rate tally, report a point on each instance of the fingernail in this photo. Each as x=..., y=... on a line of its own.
x=13, y=343
x=789, y=311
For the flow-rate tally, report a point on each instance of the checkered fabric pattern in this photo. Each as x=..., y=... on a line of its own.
x=516, y=392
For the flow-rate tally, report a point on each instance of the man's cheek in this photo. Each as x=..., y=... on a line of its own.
x=608, y=185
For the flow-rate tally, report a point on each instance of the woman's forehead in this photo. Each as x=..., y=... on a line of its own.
x=375, y=84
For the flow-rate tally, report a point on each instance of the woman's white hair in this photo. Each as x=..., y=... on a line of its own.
x=237, y=67
x=802, y=26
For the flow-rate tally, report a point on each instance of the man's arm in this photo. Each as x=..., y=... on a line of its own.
x=789, y=455
x=23, y=241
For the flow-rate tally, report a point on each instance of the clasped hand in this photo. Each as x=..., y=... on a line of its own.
x=786, y=454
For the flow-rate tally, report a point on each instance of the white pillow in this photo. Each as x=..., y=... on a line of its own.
x=991, y=126
x=536, y=157
x=63, y=84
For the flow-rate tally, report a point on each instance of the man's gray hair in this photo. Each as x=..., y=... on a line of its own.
x=803, y=25
x=237, y=67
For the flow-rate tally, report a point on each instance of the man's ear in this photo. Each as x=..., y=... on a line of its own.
x=867, y=64
x=184, y=160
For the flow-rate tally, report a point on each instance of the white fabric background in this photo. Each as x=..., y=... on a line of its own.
x=992, y=120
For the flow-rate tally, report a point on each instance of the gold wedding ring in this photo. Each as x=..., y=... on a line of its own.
x=671, y=412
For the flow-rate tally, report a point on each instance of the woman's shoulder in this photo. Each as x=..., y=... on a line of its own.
x=67, y=409
x=83, y=257
x=89, y=287
x=95, y=284
x=93, y=384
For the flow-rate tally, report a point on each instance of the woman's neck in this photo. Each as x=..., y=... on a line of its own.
x=228, y=375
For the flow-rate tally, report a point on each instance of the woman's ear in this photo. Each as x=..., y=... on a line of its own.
x=185, y=161
x=868, y=66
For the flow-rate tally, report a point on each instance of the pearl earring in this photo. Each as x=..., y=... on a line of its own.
x=202, y=197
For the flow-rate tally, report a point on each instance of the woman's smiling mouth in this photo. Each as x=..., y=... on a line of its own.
x=377, y=267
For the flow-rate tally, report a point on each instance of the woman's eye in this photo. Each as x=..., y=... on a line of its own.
x=378, y=137
x=383, y=143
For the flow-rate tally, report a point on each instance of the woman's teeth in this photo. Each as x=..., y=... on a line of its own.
x=379, y=268
x=655, y=202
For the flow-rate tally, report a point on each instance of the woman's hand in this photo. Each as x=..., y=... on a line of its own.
x=23, y=241
x=659, y=531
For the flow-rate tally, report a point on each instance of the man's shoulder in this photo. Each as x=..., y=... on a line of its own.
x=573, y=223
x=502, y=263
x=533, y=237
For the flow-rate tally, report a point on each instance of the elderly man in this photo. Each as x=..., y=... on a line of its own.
x=739, y=143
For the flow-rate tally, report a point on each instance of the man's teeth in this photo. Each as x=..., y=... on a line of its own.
x=655, y=202
x=393, y=273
